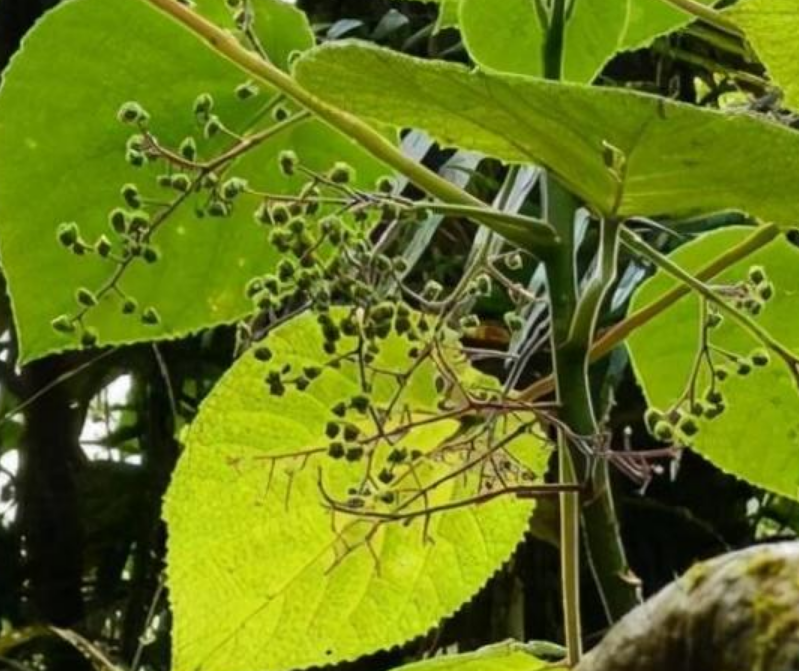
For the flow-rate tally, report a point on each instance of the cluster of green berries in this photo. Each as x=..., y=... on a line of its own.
x=756, y=291
x=683, y=423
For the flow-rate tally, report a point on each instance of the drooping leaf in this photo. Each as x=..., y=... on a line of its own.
x=63, y=156
x=757, y=437
x=507, y=656
x=510, y=37
x=770, y=27
x=262, y=575
x=679, y=159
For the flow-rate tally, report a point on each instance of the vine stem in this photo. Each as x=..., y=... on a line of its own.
x=616, y=335
x=538, y=239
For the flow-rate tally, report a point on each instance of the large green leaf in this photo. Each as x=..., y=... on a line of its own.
x=771, y=26
x=757, y=438
x=63, y=160
x=679, y=159
x=508, y=656
x=510, y=37
x=259, y=575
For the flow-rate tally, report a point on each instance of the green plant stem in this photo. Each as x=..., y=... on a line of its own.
x=692, y=283
x=575, y=404
x=574, y=322
x=538, y=239
x=615, y=335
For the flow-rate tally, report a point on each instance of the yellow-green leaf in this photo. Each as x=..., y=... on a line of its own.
x=262, y=575
x=679, y=159
x=770, y=26
x=63, y=161
x=507, y=656
x=757, y=437
x=510, y=36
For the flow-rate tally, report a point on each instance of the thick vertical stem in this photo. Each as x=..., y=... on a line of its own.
x=573, y=325
x=561, y=281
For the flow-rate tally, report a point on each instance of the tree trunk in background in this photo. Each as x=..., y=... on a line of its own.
x=738, y=612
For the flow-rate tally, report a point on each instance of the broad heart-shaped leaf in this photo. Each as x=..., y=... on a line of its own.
x=679, y=159
x=260, y=574
x=757, y=437
x=510, y=37
x=770, y=26
x=63, y=160
x=506, y=656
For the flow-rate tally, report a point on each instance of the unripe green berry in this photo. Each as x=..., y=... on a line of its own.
x=85, y=297
x=714, y=320
x=757, y=274
x=397, y=455
x=253, y=287
x=219, y=209
x=212, y=127
x=280, y=214
x=360, y=403
x=297, y=226
x=663, y=431
x=400, y=265
x=103, y=246
x=651, y=417
x=247, y=90
x=385, y=185
x=351, y=432
x=354, y=453
x=280, y=113
x=129, y=306
x=188, y=149
x=138, y=222
x=760, y=358
x=63, y=324
x=288, y=161
x=689, y=426
x=766, y=291
x=150, y=317
x=484, y=285
x=132, y=113
x=203, y=105
x=432, y=290
x=514, y=322
x=233, y=187
x=150, y=254
x=341, y=173
x=263, y=353
x=285, y=269
x=514, y=261
x=89, y=337
x=130, y=194
x=68, y=233
x=136, y=158
x=336, y=450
